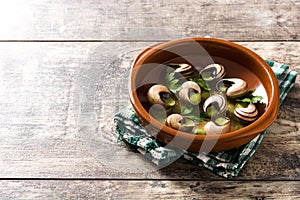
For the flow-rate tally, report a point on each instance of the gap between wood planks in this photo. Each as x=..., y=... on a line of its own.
x=136, y=179
x=96, y=40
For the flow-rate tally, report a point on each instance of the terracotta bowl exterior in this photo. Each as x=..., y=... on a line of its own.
x=239, y=62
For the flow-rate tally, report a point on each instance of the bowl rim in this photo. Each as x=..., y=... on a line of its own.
x=259, y=125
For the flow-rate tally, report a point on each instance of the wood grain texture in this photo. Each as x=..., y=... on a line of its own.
x=149, y=20
x=64, y=68
x=58, y=101
x=149, y=190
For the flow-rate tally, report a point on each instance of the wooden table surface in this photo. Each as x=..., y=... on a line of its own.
x=64, y=68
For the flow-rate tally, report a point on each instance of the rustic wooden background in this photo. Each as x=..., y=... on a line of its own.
x=64, y=69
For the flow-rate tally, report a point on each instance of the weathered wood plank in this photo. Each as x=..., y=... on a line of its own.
x=149, y=190
x=57, y=103
x=148, y=20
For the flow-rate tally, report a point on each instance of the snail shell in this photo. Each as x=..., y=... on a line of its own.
x=185, y=92
x=160, y=94
x=216, y=100
x=179, y=122
x=213, y=72
x=248, y=114
x=183, y=70
x=212, y=128
x=235, y=87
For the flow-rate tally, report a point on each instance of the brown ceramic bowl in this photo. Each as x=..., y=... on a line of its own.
x=238, y=61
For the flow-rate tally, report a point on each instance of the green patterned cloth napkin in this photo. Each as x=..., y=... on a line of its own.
x=227, y=163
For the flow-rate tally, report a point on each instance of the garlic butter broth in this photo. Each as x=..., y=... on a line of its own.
x=233, y=70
